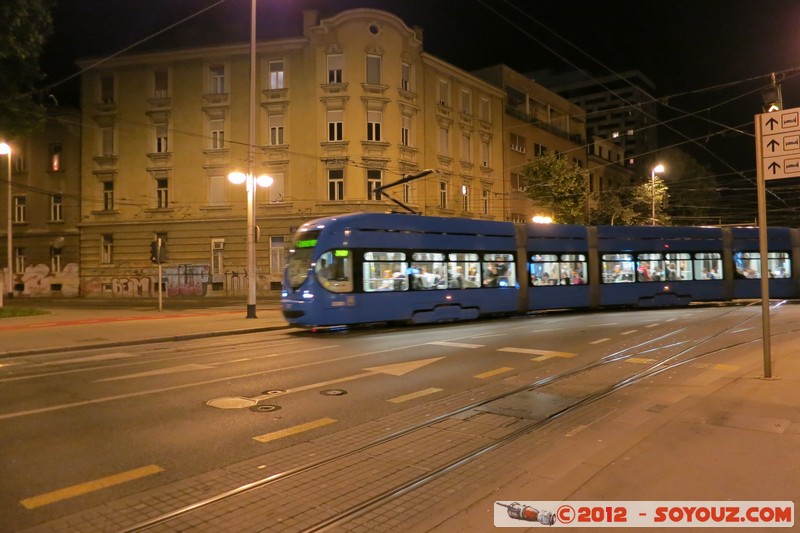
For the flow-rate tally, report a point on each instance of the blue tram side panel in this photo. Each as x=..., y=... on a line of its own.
x=363, y=267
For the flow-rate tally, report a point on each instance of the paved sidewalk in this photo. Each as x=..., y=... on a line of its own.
x=72, y=325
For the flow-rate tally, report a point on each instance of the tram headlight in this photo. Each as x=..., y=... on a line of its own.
x=284, y=294
x=308, y=295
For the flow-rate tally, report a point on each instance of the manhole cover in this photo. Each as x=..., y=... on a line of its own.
x=333, y=392
x=266, y=408
x=273, y=391
x=236, y=402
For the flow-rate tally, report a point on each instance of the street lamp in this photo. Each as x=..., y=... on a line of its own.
x=5, y=149
x=656, y=169
x=252, y=184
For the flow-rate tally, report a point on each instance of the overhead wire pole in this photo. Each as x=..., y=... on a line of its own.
x=251, y=184
x=763, y=250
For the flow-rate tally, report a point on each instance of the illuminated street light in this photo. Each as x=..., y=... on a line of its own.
x=542, y=219
x=656, y=169
x=252, y=184
x=5, y=149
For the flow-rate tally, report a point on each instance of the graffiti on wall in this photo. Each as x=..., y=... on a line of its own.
x=132, y=287
x=39, y=280
x=187, y=280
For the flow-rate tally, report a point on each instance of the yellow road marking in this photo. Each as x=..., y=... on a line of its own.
x=544, y=354
x=639, y=360
x=414, y=395
x=294, y=430
x=89, y=486
x=491, y=373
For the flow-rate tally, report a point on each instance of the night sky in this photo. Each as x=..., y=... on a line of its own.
x=708, y=58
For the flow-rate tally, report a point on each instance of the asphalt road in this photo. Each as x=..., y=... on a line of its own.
x=144, y=416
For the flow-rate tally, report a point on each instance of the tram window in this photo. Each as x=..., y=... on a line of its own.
x=618, y=268
x=385, y=271
x=573, y=269
x=747, y=264
x=650, y=267
x=544, y=269
x=428, y=270
x=464, y=271
x=551, y=269
x=708, y=266
x=678, y=266
x=334, y=270
x=498, y=270
x=780, y=266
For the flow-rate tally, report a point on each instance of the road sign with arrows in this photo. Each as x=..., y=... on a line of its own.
x=778, y=137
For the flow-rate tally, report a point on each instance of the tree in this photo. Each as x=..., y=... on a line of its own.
x=650, y=198
x=559, y=186
x=26, y=26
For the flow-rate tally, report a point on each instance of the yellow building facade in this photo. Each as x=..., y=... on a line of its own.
x=352, y=104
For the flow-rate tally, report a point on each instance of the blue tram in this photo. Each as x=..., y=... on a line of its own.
x=366, y=267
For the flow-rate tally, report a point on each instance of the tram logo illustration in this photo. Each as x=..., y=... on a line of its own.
x=529, y=514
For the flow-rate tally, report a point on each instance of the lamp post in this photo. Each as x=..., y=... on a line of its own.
x=5, y=149
x=657, y=168
x=252, y=183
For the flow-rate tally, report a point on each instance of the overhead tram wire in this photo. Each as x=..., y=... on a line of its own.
x=607, y=68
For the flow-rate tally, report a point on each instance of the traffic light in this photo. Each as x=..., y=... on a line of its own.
x=773, y=100
x=158, y=254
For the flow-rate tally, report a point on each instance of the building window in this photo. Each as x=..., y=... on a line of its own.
x=217, y=256
x=217, y=127
x=336, y=184
x=216, y=189
x=19, y=163
x=486, y=153
x=275, y=193
x=162, y=193
x=55, y=157
x=335, y=125
x=465, y=197
x=516, y=181
x=108, y=195
x=277, y=254
x=19, y=259
x=56, y=208
x=374, y=119
x=107, y=141
x=276, y=75
x=466, y=148
x=161, y=138
x=106, y=248
x=373, y=69
x=217, y=79
x=160, y=84
x=107, y=89
x=443, y=92
x=275, y=130
x=539, y=150
x=374, y=180
x=443, y=195
x=55, y=259
x=405, y=77
x=405, y=131
x=444, y=141
x=485, y=201
x=20, y=209
x=466, y=101
x=485, y=111
x=335, y=65
x=518, y=143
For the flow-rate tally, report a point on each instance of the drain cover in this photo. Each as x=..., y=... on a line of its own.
x=333, y=392
x=265, y=408
x=273, y=391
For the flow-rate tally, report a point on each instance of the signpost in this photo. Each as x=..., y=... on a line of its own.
x=777, y=157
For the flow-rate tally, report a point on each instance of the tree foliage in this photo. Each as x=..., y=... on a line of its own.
x=558, y=186
x=26, y=25
x=649, y=199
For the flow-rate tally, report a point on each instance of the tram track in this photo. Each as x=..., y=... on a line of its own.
x=678, y=355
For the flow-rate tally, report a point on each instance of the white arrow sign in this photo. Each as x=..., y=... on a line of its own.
x=398, y=369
